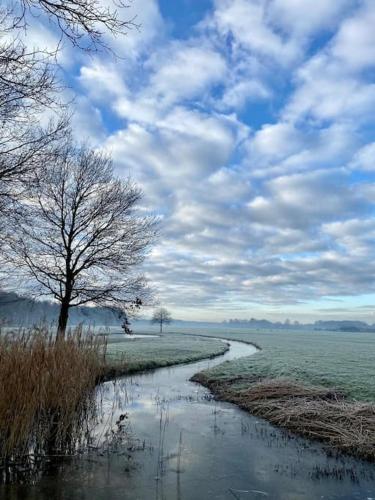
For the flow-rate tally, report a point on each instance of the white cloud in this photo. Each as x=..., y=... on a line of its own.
x=277, y=141
x=356, y=236
x=331, y=84
x=303, y=200
x=242, y=92
x=364, y=159
x=354, y=44
x=102, y=80
x=247, y=22
x=174, y=74
x=265, y=210
x=283, y=148
x=180, y=151
x=304, y=17
x=326, y=92
x=151, y=29
x=185, y=72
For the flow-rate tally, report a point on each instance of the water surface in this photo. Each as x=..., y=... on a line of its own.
x=173, y=441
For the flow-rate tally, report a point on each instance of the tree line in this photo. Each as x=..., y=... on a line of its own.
x=70, y=228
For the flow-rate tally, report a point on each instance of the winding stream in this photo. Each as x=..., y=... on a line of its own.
x=172, y=441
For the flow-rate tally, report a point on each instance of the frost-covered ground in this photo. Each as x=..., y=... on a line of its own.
x=332, y=359
x=169, y=349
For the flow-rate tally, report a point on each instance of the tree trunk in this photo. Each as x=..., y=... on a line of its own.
x=63, y=320
x=161, y=327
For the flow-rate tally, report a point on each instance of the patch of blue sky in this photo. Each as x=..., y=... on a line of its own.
x=182, y=16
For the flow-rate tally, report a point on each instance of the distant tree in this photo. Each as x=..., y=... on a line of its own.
x=79, y=238
x=161, y=317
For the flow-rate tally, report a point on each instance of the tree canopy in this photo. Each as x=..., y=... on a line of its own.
x=80, y=238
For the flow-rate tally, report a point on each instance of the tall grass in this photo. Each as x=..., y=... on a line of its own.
x=46, y=392
x=314, y=412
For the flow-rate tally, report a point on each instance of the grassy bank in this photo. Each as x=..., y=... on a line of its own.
x=129, y=356
x=317, y=384
x=311, y=411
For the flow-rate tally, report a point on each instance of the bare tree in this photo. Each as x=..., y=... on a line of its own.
x=23, y=150
x=161, y=317
x=29, y=83
x=80, y=237
x=27, y=87
x=85, y=23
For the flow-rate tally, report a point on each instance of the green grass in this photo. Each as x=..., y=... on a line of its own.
x=128, y=356
x=332, y=359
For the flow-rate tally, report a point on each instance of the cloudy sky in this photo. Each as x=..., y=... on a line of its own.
x=249, y=125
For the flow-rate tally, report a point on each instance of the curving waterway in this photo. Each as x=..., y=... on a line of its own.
x=163, y=437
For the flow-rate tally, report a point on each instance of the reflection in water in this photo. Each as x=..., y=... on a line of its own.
x=162, y=437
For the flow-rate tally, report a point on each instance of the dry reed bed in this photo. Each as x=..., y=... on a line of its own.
x=47, y=389
x=46, y=392
x=313, y=412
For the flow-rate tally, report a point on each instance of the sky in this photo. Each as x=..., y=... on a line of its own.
x=249, y=125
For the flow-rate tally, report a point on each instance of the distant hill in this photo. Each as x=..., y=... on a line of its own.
x=330, y=325
x=344, y=326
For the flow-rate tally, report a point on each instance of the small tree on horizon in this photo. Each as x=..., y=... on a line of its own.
x=161, y=317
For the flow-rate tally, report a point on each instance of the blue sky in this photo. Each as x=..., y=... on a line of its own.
x=250, y=126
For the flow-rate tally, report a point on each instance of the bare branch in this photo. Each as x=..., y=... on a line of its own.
x=85, y=23
x=80, y=236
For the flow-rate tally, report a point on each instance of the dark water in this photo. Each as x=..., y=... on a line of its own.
x=177, y=443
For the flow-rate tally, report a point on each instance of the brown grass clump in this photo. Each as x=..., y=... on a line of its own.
x=46, y=392
x=313, y=412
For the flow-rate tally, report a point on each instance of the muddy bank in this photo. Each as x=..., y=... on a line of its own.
x=314, y=412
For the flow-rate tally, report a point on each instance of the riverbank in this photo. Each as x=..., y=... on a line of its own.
x=319, y=385
x=126, y=357
x=313, y=412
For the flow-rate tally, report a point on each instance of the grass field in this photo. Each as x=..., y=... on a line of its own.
x=345, y=361
x=128, y=356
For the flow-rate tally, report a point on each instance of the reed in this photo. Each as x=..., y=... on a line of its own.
x=314, y=412
x=46, y=392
